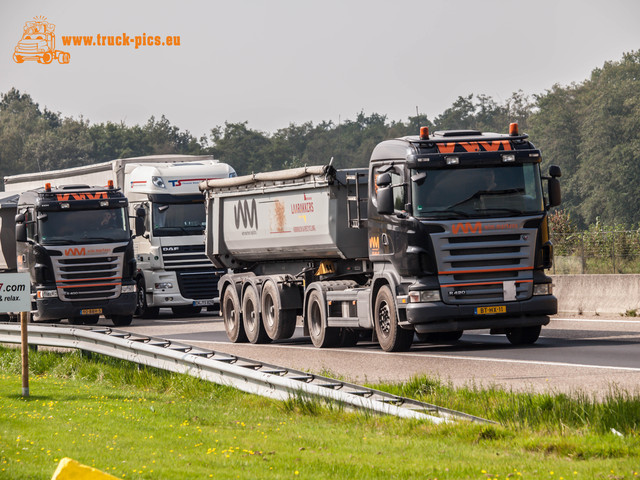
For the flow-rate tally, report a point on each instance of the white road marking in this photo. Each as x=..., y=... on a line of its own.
x=591, y=320
x=453, y=357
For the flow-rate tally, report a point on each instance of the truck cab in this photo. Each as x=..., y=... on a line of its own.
x=460, y=216
x=75, y=243
x=173, y=269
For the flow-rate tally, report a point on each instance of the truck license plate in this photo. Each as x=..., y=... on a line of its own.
x=491, y=310
x=203, y=303
x=91, y=311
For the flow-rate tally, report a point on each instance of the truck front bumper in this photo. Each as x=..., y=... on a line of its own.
x=56, y=309
x=440, y=317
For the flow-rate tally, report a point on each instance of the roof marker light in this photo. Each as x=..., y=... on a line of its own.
x=47, y=187
x=110, y=184
x=424, y=133
x=513, y=129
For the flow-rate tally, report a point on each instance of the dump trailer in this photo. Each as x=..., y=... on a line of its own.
x=442, y=233
x=167, y=212
x=75, y=243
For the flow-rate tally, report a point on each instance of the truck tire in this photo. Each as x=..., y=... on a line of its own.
x=231, y=316
x=121, y=320
x=46, y=58
x=278, y=323
x=321, y=335
x=524, y=335
x=391, y=337
x=251, y=320
x=142, y=310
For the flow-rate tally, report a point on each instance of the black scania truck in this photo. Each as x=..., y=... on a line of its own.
x=442, y=233
x=75, y=243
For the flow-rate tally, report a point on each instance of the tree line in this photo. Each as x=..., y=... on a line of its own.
x=591, y=129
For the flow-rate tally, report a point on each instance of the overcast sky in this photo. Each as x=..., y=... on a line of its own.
x=275, y=62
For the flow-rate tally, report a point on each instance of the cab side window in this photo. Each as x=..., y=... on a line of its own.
x=30, y=223
x=398, y=191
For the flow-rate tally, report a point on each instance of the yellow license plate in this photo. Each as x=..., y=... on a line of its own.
x=91, y=311
x=491, y=310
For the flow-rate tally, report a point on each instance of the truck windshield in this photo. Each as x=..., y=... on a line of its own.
x=83, y=226
x=171, y=219
x=479, y=192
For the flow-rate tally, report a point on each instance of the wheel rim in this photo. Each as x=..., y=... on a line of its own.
x=251, y=314
x=230, y=319
x=384, y=319
x=315, y=319
x=270, y=311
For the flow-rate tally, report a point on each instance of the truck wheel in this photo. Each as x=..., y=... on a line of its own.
x=278, y=323
x=391, y=337
x=142, y=310
x=321, y=335
x=230, y=311
x=524, y=335
x=251, y=317
x=121, y=320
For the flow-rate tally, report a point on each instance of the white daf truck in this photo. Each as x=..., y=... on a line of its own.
x=167, y=210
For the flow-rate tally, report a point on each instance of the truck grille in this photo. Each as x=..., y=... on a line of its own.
x=198, y=285
x=184, y=257
x=88, y=278
x=479, y=265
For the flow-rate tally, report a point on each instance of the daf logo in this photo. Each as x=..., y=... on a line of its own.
x=245, y=214
x=170, y=249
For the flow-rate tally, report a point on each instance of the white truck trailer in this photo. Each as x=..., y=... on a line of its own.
x=169, y=215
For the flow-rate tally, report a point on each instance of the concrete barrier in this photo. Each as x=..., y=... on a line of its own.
x=601, y=294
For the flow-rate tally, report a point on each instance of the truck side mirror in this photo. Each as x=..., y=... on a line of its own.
x=20, y=218
x=385, y=200
x=21, y=232
x=554, y=171
x=139, y=222
x=555, y=196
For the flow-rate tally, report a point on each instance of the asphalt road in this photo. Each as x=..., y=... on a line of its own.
x=588, y=355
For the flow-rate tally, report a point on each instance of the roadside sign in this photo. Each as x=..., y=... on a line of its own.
x=15, y=292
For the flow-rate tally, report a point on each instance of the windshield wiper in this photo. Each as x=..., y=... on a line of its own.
x=487, y=193
x=445, y=212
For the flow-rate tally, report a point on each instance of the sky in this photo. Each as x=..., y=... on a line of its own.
x=276, y=62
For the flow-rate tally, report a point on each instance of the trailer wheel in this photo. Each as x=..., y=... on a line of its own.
x=391, y=337
x=524, y=335
x=321, y=335
x=278, y=323
x=251, y=320
x=230, y=311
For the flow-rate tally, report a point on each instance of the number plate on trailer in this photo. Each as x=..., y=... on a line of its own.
x=91, y=311
x=491, y=310
x=203, y=303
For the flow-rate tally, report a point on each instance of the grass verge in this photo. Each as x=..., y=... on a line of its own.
x=136, y=422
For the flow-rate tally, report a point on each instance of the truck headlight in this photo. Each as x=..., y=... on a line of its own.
x=424, y=296
x=543, y=289
x=47, y=294
x=163, y=286
x=128, y=289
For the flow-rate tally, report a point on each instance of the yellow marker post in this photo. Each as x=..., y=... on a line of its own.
x=69, y=469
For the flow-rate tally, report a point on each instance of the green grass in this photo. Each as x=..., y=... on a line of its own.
x=135, y=422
